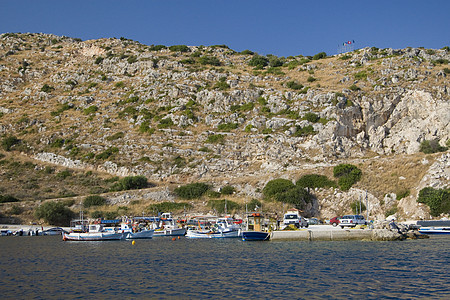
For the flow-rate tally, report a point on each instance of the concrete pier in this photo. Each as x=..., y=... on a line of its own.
x=328, y=233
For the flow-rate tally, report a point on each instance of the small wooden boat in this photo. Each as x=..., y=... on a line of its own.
x=224, y=228
x=255, y=236
x=168, y=227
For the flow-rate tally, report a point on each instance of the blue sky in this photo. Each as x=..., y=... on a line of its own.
x=282, y=28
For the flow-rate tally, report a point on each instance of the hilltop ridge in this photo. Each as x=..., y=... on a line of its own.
x=185, y=114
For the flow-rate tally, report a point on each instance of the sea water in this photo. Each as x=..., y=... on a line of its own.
x=48, y=268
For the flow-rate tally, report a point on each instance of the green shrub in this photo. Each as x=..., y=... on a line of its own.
x=402, y=194
x=64, y=174
x=437, y=199
x=296, y=196
x=432, y=146
x=99, y=60
x=47, y=88
x=227, y=126
x=215, y=139
x=276, y=186
x=222, y=84
x=361, y=75
x=192, y=191
x=132, y=59
x=107, y=153
x=179, y=48
x=311, y=117
x=131, y=183
x=219, y=206
x=275, y=61
x=9, y=141
x=254, y=205
x=90, y=110
x=227, y=190
x=165, y=123
x=304, y=131
x=392, y=211
x=311, y=79
x=157, y=47
x=119, y=84
x=354, y=88
x=258, y=61
x=355, y=207
x=347, y=175
x=294, y=85
x=168, y=207
x=209, y=60
x=315, y=181
x=247, y=52
x=93, y=200
x=319, y=56
x=8, y=198
x=54, y=213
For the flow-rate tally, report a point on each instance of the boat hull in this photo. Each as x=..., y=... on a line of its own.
x=144, y=234
x=435, y=230
x=170, y=232
x=199, y=234
x=93, y=236
x=255, y=236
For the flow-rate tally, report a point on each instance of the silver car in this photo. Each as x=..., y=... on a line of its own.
x=352, y=221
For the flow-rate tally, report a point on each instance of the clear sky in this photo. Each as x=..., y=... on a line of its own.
x=282, y=28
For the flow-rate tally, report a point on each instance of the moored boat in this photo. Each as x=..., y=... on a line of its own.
x=168, y=227
x=95, y=232
x=224, y=228
x=434, y=230
x=254, y=230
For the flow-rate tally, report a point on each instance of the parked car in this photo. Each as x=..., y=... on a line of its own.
x=335, y=221
x=53, y=231
x=313, y=221
x=352, y=221
x=293, y=218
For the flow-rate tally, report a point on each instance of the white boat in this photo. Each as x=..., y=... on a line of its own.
x=168, y=227
x=434, y=230
x=224, y=228
x=135, y=232
x=95, y=232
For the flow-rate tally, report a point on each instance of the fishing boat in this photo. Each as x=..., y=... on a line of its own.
x=168, y=227
x=223, y=228
x=434, y=230
x=254, y=230
x=94, y=232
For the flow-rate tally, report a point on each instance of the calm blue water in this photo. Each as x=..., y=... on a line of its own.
x=47, y=267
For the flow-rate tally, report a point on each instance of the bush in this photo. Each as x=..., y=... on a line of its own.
x=8, y=198
x=167, y=207
x=90, y=110
x=311, y=117
x=107, y=153
x=179, y=48
x=115, y=136
x=131, y=183
x=99, y=60
x=304, y=131
x=227, y=126
x=311, y=79
x=54, y=213
x=47, y=88
x=348, y=175
x=437, y=199
x=165, y=123
x=247, y=52
x=294, y=85
x=432, y=146
x=258, y=61
x=209, y=60
x=277, y=186
x=222, y=84
x=315, y=181
x=319, y=56
x=296, y=196
x=227, y=190
x=254, y=205
x=157, y=47
x=354, y=88
x=9, y=141
x=219, y=206
x=215, y=139
x=94, y=200
x=192, y=191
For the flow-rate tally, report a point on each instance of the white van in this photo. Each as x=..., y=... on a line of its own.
x=293, y=218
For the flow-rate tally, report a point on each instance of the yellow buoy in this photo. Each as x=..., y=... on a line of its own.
x=133, y=242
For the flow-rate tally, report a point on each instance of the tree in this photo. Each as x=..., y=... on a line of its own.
x=54, y=213
x=347, y=175
x=277, y=186
x=437, y=199
x=258, y=61
x=192, y=191
x=9, y=141
x=94, y=200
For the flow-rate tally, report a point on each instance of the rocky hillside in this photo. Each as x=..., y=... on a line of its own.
x=184, y=114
